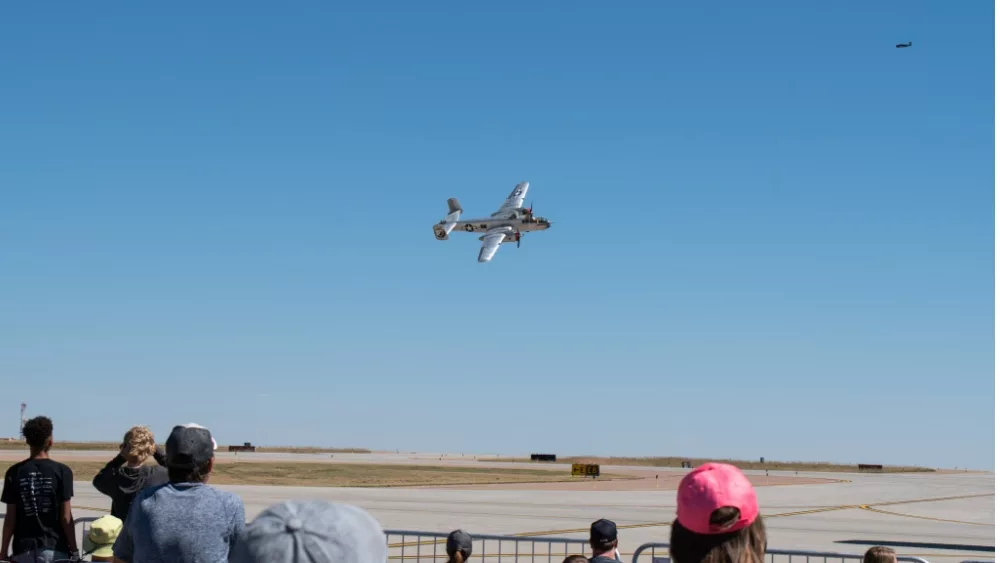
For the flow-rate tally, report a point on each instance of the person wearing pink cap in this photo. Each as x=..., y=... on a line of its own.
x=718, y=520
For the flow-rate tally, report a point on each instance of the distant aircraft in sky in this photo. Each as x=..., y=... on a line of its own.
x=504, y=225
x=902, y=45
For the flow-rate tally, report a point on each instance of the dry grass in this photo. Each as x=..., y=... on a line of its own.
x=76, y=446
x=810, y=466
x=305, y=450
x=350, y=474
x=113, y=446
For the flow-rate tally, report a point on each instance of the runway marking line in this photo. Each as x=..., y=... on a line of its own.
x=959, y=497
x=867, y=507
x=621, y=527
x=870, y=509
x=781, y=515
x=95, y=509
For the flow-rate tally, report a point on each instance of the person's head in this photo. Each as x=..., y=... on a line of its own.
x=312, y=530
x=603, y=536
x=38, y=434
x=100, y=539
x=575, y=559
x=718, y=520
x=138, y=444
x=880, y=554
x=190, y=454
x=458, y=546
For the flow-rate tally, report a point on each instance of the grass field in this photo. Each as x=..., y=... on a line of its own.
x=350, y=474
x=742, y=464
x=112, y=446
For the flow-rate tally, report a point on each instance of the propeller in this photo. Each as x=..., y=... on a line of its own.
x=517, y=237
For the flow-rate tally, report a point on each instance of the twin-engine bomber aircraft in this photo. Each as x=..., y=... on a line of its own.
x=504, y=225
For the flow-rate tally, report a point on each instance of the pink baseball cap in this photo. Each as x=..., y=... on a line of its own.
x=712, y=486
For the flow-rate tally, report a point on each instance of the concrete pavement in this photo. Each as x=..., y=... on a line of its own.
x=946, y=517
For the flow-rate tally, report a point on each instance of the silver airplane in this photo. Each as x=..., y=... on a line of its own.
x=504, y=225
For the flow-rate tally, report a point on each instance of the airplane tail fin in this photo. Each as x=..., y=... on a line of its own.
x=442, y=230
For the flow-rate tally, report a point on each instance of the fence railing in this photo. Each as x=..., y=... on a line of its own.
x=415, y=546
x=412, y=546
x=660, y=553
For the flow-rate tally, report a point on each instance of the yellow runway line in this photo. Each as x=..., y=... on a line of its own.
x=959, y=497
x=780, y=515
x=870, y=509
x=812, y=511
x=528, y=535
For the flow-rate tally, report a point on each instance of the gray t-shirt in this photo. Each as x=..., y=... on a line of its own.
x=181, y=523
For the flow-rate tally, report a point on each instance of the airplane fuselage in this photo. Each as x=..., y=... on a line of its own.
x=518, y=219
x=519, y=223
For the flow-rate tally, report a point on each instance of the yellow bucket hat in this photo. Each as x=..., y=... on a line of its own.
x=101, y=538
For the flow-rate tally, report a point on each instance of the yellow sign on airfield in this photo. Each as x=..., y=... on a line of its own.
x=586, y=470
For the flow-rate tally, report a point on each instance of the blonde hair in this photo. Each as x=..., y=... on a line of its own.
x=138, y=444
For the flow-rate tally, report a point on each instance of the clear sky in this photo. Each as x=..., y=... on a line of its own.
x=772, y=230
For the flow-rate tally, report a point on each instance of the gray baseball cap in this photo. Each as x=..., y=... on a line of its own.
x=312, y=530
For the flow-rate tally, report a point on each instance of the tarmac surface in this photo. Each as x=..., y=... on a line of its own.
x=940, y=516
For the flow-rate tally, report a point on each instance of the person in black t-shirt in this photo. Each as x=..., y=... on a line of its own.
x=37, y=492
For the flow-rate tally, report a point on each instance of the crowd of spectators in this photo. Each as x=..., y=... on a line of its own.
x=168, y=512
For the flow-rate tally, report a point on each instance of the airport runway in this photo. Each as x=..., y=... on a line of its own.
x=947, y=517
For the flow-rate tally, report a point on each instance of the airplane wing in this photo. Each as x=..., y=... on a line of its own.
x=492, y=240
x=515, y=199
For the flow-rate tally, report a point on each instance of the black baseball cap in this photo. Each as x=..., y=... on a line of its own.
x=459, y=541
x=603, y=532
x=189, y=446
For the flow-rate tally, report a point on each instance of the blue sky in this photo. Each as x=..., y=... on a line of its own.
x=773, y=231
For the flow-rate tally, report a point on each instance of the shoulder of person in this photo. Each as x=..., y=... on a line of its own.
x=231, y=499
x=13, y=469
x=8, y=475
x=61, y=469
x=146, y=492
x=157, y=476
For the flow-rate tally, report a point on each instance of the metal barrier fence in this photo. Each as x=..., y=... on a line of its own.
x=416, y=546
x=84, y=528
x=660, y=553
x=408, y=545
